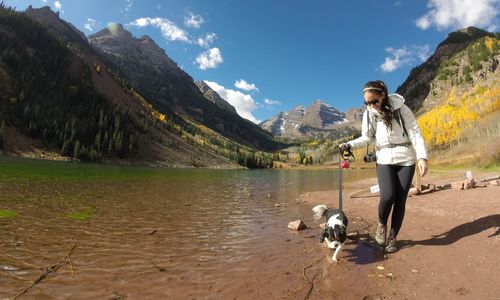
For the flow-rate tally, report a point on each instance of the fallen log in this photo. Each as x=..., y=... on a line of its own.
x=491, y=178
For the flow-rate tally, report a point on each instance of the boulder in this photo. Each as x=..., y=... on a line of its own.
x=297, y=225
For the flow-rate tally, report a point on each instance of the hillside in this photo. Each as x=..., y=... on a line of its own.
x=449, y=65
x=60, y=99
x=460, y=116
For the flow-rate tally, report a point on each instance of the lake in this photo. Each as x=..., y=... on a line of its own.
x=143, y=232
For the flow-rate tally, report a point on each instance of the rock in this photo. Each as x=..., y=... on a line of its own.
x=322, y=225
x=413, y=191
x=469, y=183
x=297, y=225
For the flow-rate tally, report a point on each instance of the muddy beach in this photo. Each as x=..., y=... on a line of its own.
x=449, y=249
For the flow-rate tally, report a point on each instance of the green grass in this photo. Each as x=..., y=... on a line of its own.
x=7, y=214
x=15, y=169
x=82, y=215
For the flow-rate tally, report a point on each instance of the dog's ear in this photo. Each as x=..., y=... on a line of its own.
x=324, y=234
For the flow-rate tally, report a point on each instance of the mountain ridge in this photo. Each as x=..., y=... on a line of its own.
x=318, y=117
x=151, y=72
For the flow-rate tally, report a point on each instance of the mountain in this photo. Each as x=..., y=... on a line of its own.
x=46, y=16
x=154, y=75
x=458, y=106
x=453, y=64
x=319, y=117
x=62, y=99
x=212, y=95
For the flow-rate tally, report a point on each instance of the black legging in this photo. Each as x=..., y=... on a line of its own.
x=394, y=182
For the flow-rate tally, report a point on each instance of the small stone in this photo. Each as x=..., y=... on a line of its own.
x=297, y=225
x=322, y=225
x=413, y=191
x=414, y=270
x=495, y=182
x=380, y=268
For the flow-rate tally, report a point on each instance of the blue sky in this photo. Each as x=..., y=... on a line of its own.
x=266, y=56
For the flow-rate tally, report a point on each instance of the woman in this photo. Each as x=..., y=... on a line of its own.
x=392, y=126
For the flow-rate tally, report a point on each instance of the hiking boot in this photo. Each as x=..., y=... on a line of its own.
x=380, y=234
x=391, y=245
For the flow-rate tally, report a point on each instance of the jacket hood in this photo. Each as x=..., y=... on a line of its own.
x=396, y=101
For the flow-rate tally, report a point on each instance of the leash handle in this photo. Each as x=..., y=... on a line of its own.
x=347, y=155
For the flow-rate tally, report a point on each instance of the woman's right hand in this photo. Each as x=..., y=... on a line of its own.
x=423, y=166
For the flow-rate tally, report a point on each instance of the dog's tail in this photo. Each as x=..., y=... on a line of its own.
x=319, y=211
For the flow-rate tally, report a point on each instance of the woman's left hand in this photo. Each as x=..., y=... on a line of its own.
x=422, y=167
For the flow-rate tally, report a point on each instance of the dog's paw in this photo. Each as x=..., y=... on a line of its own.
x=335, y=260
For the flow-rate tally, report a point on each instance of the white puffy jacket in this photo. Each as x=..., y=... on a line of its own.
x=399, y=155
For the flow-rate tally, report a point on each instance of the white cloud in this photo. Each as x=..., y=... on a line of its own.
x=243, y=85
x=57, y=5
x=91, y=24
x=193, y=21
x=243, y=103
x=209, y=59
x=44, y=1
x=206, y=41
x=168, y=29
x=457, y=14
x=272, y=102
x=398, y=3
x=404, y=56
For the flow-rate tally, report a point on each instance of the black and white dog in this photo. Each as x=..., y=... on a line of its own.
x=335, y=232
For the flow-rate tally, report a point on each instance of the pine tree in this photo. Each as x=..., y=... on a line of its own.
x=2, y=134
x=76, y=152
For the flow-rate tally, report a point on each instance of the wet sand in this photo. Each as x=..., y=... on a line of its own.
x=450, y=249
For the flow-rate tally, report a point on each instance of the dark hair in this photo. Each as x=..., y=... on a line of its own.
x=378, y=87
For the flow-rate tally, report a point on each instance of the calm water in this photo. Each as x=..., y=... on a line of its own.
x=142, y=232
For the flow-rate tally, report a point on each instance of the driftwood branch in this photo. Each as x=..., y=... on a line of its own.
x=51, y=269
x=311, y=282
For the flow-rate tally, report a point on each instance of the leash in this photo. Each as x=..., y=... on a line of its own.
x=346, y=155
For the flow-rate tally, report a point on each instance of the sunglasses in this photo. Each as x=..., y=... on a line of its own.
x=371, y=102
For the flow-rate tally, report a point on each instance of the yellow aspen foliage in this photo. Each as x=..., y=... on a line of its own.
x=445, y=124
x=149, y=108
x=490, y=42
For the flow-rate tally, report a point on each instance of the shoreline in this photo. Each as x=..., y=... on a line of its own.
x=449, y=246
